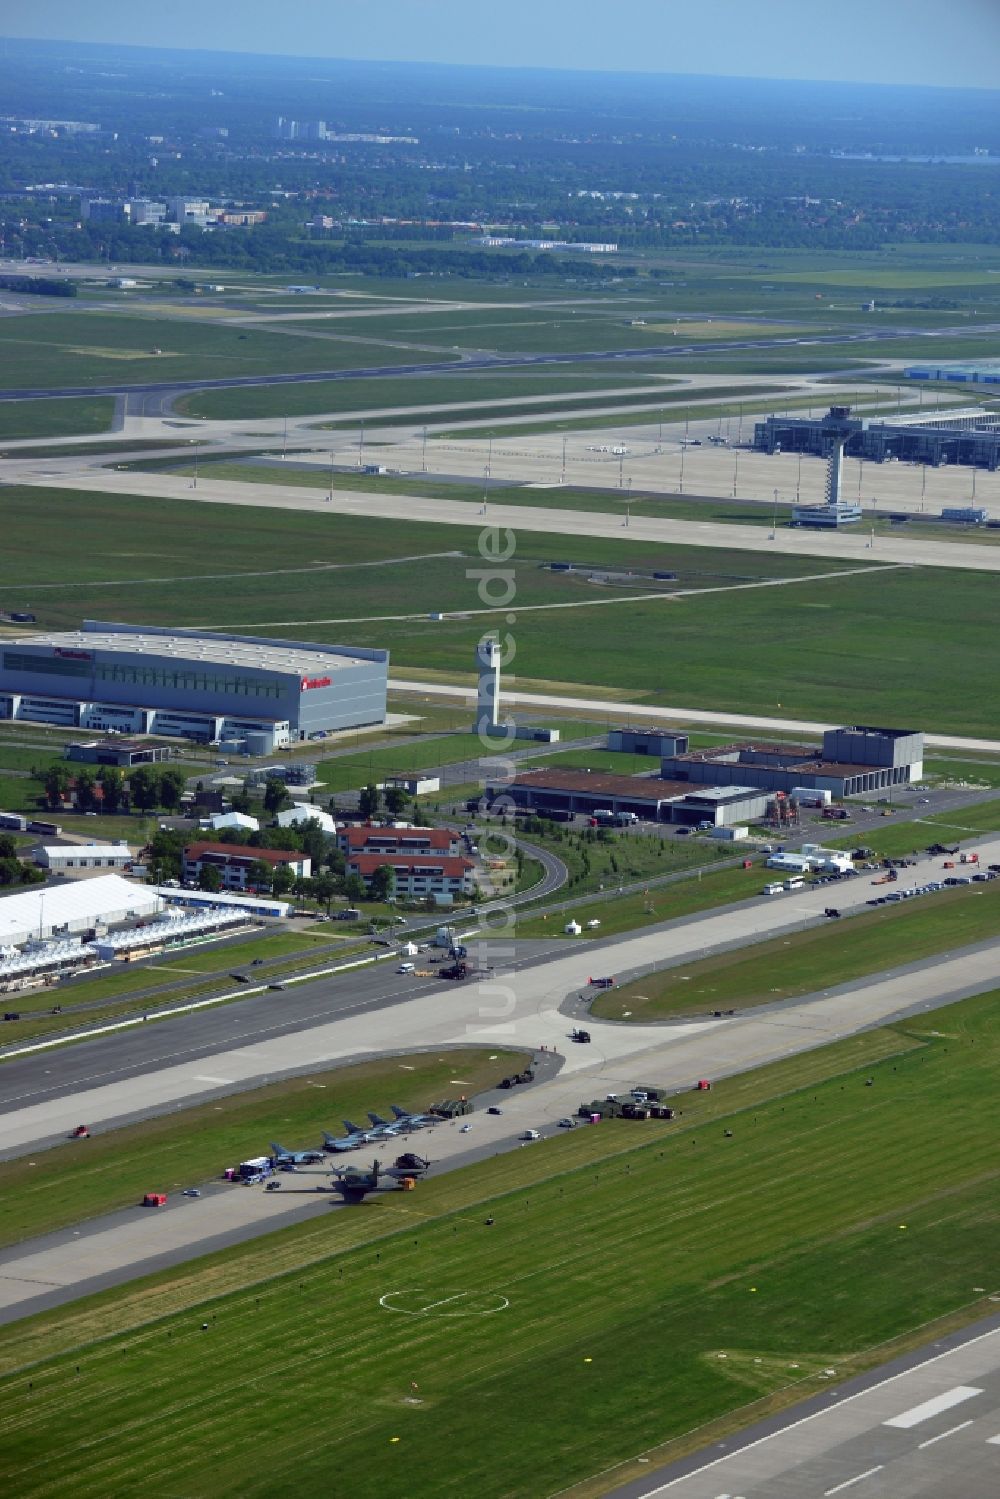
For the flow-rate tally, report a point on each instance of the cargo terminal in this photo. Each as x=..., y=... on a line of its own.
x=191, y=684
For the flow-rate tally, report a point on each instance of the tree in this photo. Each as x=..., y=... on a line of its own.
x=396, y=800
x=10, y=871
x=260, y=874
x=369, y=802
x=56, y=784
x=276, y=797
x=210, y=878
x=113, y=784
x=282, y=880
x=383, y=882
x=85, y=782
x=8, y=848
x=143, y=788
x=324, y=888
x=172, y=783
x=354, y=888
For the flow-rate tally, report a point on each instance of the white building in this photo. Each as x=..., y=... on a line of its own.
x=303, y=812
x=233, y=820
x=66, y=858
x=66, y=909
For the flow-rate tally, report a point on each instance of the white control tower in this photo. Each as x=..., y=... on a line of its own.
x=488, y=656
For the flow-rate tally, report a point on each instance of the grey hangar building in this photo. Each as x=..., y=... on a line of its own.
x=725, y=786
x=191, y=684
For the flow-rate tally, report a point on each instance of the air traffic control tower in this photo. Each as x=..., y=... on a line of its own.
x=489, y=657
x=838, y=428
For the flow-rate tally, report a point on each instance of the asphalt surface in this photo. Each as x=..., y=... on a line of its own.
x=924, y=1426
x=373, y=1009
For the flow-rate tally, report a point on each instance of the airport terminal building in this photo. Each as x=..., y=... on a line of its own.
x=935, y=437
x=191, y=684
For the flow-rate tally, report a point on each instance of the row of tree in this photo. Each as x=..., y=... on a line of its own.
x=145, y=788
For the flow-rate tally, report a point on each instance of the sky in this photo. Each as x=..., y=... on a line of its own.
x=864, y=41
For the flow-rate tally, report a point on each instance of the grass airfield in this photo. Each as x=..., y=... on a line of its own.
x=638, y=1282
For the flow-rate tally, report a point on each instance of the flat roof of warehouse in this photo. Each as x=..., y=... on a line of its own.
x=216, y=651
x=645, y=788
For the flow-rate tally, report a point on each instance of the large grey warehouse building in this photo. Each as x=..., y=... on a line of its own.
x=191, y=684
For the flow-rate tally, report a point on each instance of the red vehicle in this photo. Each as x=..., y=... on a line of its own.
x=155, y=1200
x=80, y=1133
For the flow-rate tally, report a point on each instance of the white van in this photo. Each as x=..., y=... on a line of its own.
x=797, y=883
x=531, y=1134
x=774, y=888
x=407, y=968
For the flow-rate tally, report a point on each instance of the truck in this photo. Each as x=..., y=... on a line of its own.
x=625, y=819
x=602, y=817
x=836, y=814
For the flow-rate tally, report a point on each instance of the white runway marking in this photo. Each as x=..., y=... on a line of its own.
x=942, y=1434
x=199, y=1078
x=852, y=1481
x=918, y=1413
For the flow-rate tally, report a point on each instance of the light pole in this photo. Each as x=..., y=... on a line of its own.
x=923, y=485
x=774, y=517
x=423, y=454
x=194, y=484
x=361, y=447
x=736, y=469
x=621, y=471
x=330, y=495
x=798, y=481
x=284, y=438
x=680, y=487
x=562, y=476
x=659, y=435
x=628, y=501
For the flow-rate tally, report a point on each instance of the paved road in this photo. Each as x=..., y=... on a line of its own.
x=926, y=1426
x=619, y=712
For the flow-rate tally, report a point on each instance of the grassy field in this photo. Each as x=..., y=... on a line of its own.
x=918, y=647
x=791, y=1249
x=95, y=348
x=940, y=827
x=83, y=1179
x=321, y=398
x=822, y=957
x=624, y=913
x=73, y=416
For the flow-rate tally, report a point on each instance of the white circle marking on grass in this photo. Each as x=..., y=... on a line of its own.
x=423, y=1303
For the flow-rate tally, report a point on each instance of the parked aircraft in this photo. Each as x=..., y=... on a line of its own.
x=413, y=1121
x=381, y=1128
x=351, y=1141
x=283, y=1157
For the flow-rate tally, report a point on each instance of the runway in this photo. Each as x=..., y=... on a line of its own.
x=643, y=713
x=926, y=1426
x=789, y=543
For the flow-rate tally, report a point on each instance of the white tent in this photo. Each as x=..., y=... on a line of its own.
x=305, y=812
x=234, y=820
x=74, y=907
